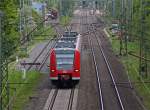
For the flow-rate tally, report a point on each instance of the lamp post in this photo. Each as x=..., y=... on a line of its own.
x=113, y=8
x=1, y=102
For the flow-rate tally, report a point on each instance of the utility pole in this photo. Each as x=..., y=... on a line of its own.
x=113, y=8
x=22, y=25
x=126, y=14
x=121, y=25
x=60, y=8
x=4, y=88
x=129, y=25
x=30, y=18
x=1, y=102
x=130, y=18
x=23, y=17
x=20, y=28
x=123, y=28
x=43, y=12
x=143, y=51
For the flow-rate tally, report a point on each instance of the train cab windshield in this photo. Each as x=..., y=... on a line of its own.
x=65, y=59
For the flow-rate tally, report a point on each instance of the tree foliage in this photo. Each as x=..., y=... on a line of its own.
x=10, y=21
x=10, y=8
x=137, y=14
x=67, y=7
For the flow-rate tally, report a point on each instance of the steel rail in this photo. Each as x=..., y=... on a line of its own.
x=98, y=77
x=47, y=55
x=49, y=105
x=51, y=99
x=110, y=71
x=39, y=55
x=42, y=51
x=71, y=99
x=131, y=86
x=96, y=68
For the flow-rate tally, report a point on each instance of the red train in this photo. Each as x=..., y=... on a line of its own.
x=65, y=58
x=54, y=14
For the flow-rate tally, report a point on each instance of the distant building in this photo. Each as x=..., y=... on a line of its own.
x=38, y=7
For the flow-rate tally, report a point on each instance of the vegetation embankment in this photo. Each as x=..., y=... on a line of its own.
x=21, y=88
x=65, y=20
x=41, y=35
x=131, y=63
x=133, y=29
x=11, y=29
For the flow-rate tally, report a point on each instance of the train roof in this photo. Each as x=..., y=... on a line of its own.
x=70, y=34
x=61, y=50
x=68, y=40
x=65, y=45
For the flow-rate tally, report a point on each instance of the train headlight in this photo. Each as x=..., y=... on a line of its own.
x=52, y=70
x=76, y=70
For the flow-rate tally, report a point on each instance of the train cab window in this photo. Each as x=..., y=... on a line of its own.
x=64, y=59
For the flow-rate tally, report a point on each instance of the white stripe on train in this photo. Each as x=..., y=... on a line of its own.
x=73, y=78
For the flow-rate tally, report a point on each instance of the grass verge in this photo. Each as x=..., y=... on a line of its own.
x=132, y=67
x=39, y=36
x=65, y=20
x=21, y=89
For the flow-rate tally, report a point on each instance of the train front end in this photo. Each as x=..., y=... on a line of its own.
x=65, y=65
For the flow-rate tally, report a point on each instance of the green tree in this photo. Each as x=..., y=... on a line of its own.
x=10, y=22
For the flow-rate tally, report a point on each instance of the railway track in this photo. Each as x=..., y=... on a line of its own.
x=100, y=84
x=62, y=99
x=129, y=84
x=100, y=89
x=46, y=49
x=52, y=46
x=42, y=53
x=106, y=69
